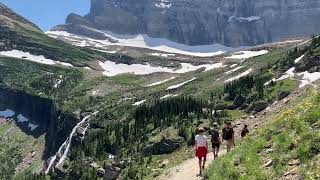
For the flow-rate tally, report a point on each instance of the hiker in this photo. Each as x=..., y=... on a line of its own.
x=215, y=140
x=244, y=131
x=228, y=136
x=201, y=147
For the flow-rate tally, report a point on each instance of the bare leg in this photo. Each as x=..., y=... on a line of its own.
x=200, y=159
x=204, y=162
x=228, y=147
x=216, y=152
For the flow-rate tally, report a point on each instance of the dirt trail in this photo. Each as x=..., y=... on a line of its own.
x=189, y=169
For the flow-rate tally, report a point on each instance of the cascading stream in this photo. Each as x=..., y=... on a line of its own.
x=65, y=147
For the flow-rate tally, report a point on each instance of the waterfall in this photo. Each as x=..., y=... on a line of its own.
x=65, y=147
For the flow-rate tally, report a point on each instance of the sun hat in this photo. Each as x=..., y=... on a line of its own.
x=201, y=130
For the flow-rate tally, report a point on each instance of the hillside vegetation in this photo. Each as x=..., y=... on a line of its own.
x=287, y=146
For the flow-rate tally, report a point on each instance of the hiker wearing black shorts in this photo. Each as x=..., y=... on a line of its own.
x=244, y=131
x=228, y=136
x=215, y=140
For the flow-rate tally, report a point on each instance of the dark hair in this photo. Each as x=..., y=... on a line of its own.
x=245, y=125
x=228, y=123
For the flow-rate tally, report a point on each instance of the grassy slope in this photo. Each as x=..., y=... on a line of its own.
x=15, y=145
x=293, y=134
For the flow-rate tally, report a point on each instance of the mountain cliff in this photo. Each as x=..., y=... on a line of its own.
x=200, y=22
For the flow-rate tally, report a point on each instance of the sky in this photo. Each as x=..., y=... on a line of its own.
x=48, y=13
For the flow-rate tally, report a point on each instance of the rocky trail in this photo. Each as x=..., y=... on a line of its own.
x=189, y=170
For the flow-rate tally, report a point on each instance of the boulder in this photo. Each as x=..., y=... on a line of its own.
x=111, y=173
x=165, y=146
x=238, y=100
x=257, y=106
x=283, y=94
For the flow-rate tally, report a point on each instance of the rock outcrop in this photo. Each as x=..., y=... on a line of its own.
x=199, y=22
x=42, y=114
x=164, y=146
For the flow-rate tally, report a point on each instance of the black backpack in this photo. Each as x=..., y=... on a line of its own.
x=227, y=133
x=215, y=136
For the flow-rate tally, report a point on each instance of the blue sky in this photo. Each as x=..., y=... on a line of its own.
x=48, y=13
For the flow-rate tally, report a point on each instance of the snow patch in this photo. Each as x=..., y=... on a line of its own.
x=144, y=41
x=272, y=80
x=22, y=119
x=233, y=65
x=168, y=96
x=233, y=19
x=113, y=69
x=162, y=55
x=163, y=5
x=64, y=64
x=7, y=113
x=289, y=73
x=160, y=82
x=33, y=126
x=308, y=78
x=298, y=59
x=26, y=55
x=87, y=68
x=139, y=102
x=239, y=76
x=180, y=84
x=247, y=54
x=34, y=58
x=233, y=70
x=58, y=82
x=95, y=92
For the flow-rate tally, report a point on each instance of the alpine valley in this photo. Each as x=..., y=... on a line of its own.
x=119, y=92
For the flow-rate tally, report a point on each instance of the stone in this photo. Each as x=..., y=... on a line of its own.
x=164, y=163
x=100, y=172
x=268, y=164
x=257, y=106
x=294, y=162
x=111, y=173
x=283, y=94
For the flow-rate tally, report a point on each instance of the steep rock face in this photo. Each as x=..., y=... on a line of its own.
x=41, y=112
x=198, y=22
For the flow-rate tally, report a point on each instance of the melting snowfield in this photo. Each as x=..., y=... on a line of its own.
x=139, y=102
x=247, y=54
x=169, y=96
x=34, y=58
x=239, y=76
x=233, y=70
x=162, y=54
x=180, y=84
x=113, y=69
x=143, y=41
x=160, y=82
x=308, y=78
x=298, y=59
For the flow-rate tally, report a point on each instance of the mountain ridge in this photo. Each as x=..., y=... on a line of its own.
x=201, y=22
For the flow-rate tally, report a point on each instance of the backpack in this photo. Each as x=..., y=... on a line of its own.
x=227, y=133
x=215, y=136
x=244, y=132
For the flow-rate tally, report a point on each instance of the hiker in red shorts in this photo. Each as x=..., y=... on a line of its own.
x=201, y=146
